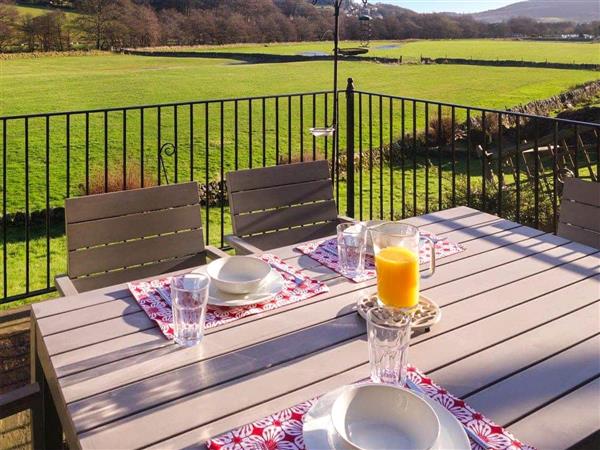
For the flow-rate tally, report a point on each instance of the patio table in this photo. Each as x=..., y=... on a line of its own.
x=519, y=341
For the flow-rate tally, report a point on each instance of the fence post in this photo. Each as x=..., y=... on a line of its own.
x=350, y=148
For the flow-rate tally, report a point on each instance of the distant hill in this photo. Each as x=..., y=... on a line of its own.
x=545, y=11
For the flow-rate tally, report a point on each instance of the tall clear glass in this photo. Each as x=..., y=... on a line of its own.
x=396, y=247
x=388, y=331
x=351, y=246
x=189, y=294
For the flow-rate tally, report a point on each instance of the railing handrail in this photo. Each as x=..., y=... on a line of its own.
x=292, y=95
x=480, y=109
x=163, y=105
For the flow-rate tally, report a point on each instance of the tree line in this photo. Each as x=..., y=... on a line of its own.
x=114, y=24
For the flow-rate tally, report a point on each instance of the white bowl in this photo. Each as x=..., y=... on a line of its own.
x=377, y=416
x=238, y=274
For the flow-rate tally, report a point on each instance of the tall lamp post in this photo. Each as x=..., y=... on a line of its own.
x=332, y=129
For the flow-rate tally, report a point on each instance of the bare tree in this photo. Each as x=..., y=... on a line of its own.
x=8, y=24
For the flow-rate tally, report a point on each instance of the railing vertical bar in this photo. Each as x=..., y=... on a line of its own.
x=326, y=120
x=47, y=202
x=124, y=144
x=414, y=158
x=142, y=147
x=191, y=142
x=87, y=153
x=518, y=168
x=426, y=157
x=360, y=154
x=250, y=157
x=206, y=170
x=176, y=143
x=370, y=157
x=440, y=143
x=483, y=160
x=597, y=132
x=403, y=145
x=555, y=179
x=236, y=144
x=301, y=102
x=453, y=150
x=500, y=173
x=68, y=148
x=469, y=145
x=391, y=158
x=314, y=124
x=577, y=148
x=380, y=157
x=4, y=221
x=105, y=151
x=289, y=117
x=27, y=222
x=276, y=130
x=537, y=175
x=222, y=170
x=158, y=142
x=264, y=133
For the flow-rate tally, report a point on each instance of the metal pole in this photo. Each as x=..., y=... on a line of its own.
x=336, y=42
x=350, y=148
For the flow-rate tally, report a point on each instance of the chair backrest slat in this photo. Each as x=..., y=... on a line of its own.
x=291, y=236
x=281, y=196
x=265, y=202
x=247, y=180
x=122, y=276
x=114, y=229
x=115, y=204
x=120, y=236
x=579, y=218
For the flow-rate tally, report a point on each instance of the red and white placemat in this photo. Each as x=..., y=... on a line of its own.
x=147, y=296
x=325, y=252
x=283, y=430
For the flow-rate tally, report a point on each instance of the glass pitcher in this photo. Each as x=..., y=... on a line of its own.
x=396, y=249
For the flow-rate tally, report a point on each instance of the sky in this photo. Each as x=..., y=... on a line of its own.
x=460, y=6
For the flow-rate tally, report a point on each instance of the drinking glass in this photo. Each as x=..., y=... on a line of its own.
x=388, y=331
x=396, y=248
x=189, y=294
x=351, y=247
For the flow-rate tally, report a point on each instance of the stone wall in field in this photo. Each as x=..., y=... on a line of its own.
x=510, y=63
x=561, y=102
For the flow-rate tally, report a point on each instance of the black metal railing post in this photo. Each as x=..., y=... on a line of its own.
x=350, y=148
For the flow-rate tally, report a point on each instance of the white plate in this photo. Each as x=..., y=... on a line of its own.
x=269, y=288
x=319, y=433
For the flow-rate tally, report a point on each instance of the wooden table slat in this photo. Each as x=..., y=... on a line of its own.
x=565, y=422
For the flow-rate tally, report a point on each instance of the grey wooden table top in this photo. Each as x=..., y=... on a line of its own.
x=519, y=340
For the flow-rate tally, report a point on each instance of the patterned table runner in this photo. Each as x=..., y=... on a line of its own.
x=157, y=309
x=283, y=430
x=325, y=252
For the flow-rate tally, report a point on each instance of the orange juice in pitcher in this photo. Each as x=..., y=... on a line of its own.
x=396, y=248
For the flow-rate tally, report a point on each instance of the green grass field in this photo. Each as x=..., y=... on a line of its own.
x=487, y=49
x=35, y=11
x=47, y=84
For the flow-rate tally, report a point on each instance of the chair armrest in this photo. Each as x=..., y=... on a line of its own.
x=18, y=400
x=64, y=286
x=343, y=219
x=215, y=253
x=241, y=246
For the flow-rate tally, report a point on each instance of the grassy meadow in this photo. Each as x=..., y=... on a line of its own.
x=71, y=83
x=412, y=50
x=38, y=10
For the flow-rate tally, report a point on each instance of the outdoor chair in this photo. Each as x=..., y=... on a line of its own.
x=281, y=205
x=579, y=218
x=123, y=236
